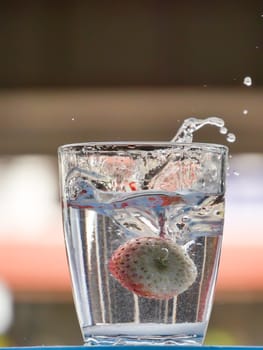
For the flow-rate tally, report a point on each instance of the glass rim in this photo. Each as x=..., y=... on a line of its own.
x=200, y=145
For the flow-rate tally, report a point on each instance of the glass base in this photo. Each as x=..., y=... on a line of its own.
x=145, y=334
x=121, y=340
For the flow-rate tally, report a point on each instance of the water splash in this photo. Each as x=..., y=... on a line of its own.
x=191, y=125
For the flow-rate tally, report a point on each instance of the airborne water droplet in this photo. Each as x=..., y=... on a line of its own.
x=223, y=130
x=247, y=81
x=231, y=137
x=236, y=173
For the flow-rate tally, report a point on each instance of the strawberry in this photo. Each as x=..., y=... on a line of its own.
x=177, y=175
x=153, y=267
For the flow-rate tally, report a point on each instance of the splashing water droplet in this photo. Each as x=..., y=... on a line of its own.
x=223, y=130
x=245, y=111
x=231, y=137
x=236, y=173
x=247, y=81
x=191, y=125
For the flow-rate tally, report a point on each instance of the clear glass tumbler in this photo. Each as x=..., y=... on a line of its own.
x=143, y=226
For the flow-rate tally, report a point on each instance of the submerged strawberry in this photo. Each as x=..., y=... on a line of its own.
x=153, y=267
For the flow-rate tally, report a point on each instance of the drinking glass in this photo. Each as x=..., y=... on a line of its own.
x=143, y=225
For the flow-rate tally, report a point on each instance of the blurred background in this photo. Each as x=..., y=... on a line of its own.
x=123, y=70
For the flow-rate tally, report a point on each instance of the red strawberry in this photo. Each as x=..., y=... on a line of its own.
x=153, y=267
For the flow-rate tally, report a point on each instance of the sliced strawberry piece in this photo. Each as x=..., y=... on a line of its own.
x=175, y=176
x=153, y=267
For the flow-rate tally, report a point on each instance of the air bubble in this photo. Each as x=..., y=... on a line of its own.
x=73, y=118
x=185, y=218
x=245, y=111
x=247, y=81
x=231, y=137
x=204, y=211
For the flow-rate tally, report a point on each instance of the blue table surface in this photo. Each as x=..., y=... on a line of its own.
x=136, y=347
